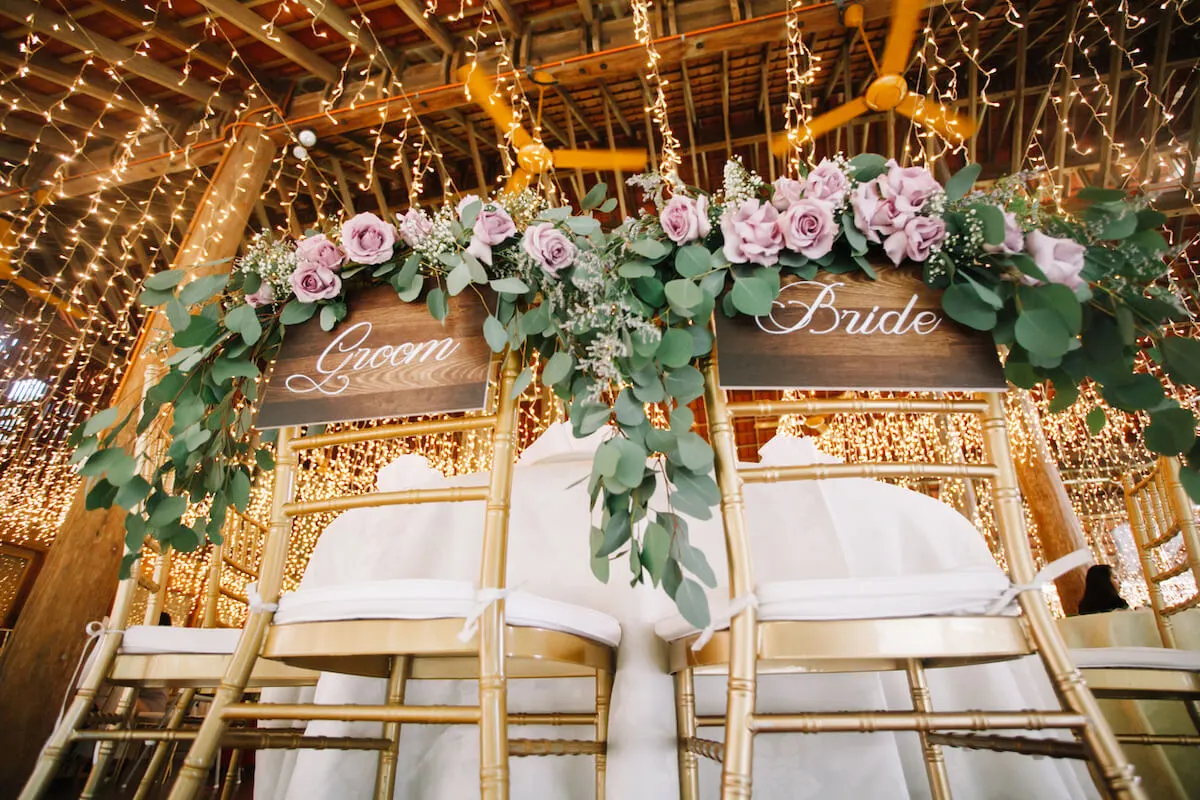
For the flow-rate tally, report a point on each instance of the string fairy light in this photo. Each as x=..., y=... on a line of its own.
x=669, y=160
x=802, y=69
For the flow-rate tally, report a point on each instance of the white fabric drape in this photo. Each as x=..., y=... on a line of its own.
x=845, y=528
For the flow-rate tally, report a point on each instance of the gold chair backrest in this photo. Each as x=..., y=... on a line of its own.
x=1159, y=512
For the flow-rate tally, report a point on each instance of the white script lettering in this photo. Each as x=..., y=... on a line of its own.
x=355, y=356
x=822, y=316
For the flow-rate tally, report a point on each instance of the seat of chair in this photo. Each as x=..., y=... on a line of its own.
x=355, y=628
x=167, y=656
x=1140, y=672
x=825, y=624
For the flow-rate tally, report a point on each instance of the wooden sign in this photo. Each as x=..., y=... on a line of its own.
x=850, y=332
x=386, y=359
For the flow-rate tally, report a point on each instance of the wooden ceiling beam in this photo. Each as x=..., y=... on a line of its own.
x=160, y=26
x=431, y=26
x=616, y=109
x=335, y=17
x=272, y=36
x=513, y=20
x=575, y=111
x=57, y=26
x=54, y=109
x=49, y=69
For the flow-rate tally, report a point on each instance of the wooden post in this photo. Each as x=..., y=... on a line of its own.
x=1116, y=58
x=1064, y=111
x=80, y=575
x=1042, y=486
x=1018, y=136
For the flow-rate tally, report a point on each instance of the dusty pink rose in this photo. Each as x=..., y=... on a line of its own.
x=493, y=225
x=878, y=216
x=685, y=219
x=320, y=252
x=481, y=251
x=264, y=296
x=808, y=228
x=367, y=239
x=414, y=227
x=787, y=191
x=921, y=235
x=1060, y=259
x=549, y=247
x=826, y=182
x=914, y=185
x=752, y=234
x=312, y=283
x=1014, y=237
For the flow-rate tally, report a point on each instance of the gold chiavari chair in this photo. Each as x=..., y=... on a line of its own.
x=388, y=643
x=760, y=639
x=1160, y=513
x=130, y=659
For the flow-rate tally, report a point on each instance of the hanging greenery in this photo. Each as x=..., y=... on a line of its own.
x=618, y=320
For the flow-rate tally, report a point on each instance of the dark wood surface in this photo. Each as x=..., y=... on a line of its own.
x=405, y=363
x=862, y=334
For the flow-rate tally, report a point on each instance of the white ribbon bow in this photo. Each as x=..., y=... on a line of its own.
x=736, y=606
x=255, y=601
x=483, y=600
x=1055, y=569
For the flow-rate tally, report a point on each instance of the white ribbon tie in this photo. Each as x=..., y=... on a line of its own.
x=483, y=600
x=1055, y=569
x=736, y=606
x=94, y=630
x=255, y=601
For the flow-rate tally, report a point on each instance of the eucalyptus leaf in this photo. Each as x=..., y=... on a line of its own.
x=752, y=296
x=594, y=197
x=164, y=281
x=962, y=303
x=439, y=306
x=692, y=603
x=558, y=366
x=1171, y=431
x=296, y=312
x=101, y=420
x=649, y=248
x=960, y=184
x=495, y=334
x=692, y=260
x=202, y=289
x=683, y=295
x=675, y=348
x=1043, y=332
x=510, y=285
x=1096, y=420
x=521, y=383
x=244, y=320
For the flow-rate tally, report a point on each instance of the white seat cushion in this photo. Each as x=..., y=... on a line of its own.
x=439, y=599
x=151, y=639
x=968, y=591
x=1136, y=658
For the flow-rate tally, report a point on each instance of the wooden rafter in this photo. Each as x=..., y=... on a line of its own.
x=272, y=37
x=431, y=26
x=577, y=112
x=48, y=69
x=55, y=109
x=335, y=17
x=511, y=16
x=163, y=27
x=57, y=26
x=611, y=103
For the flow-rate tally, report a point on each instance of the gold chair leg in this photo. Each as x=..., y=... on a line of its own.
x=230, y=775
x=162, y=749
x=104, y=750
x=1117, y=773
x=935, y=761
x=685, y=726
x=385, y=775
x=604, y=684
x=233, y=684
x=743, y=636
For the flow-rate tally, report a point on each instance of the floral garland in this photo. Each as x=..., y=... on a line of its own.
x=618, y=321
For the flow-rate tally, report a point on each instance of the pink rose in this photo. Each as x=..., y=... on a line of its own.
x=414, y=227
x=879, y=216
x=808, y=228
x=685, y=219
x=481, y=251
x=914, y=185
x=320, y=252
x=549, y=247
x=493, y=225
x=1060, y=259
x=264, y=296
x=787, y=191
x=922, y=234
x=312, y=283
x=1014, y=238
x=826, y=182
x=752, y=234
x=367, y=239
